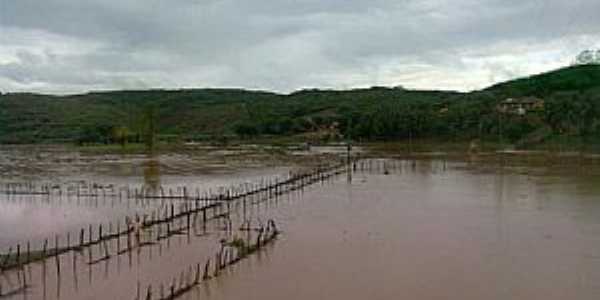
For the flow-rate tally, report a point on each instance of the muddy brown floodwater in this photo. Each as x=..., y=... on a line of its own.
x=34, y=218
x=393, y=229
x=432, y=230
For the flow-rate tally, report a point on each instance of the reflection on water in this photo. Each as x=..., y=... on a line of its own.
x=393, y=229
x=152, y=175
x=431, y=229
x=34, y=218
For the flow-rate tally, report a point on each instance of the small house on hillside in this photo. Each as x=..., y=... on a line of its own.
x=520, y=106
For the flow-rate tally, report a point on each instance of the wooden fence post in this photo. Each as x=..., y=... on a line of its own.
x=28, y=257
x=57, y=255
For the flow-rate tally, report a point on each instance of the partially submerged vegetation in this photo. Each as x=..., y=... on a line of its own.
x=569, y=114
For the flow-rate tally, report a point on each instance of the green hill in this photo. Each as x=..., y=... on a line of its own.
x=571, y=96
x=578, y=78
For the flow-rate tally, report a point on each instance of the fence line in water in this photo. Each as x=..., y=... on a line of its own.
x=220, y=205
x=103, y=191
x=192, y=207
x=188, y=210
x=231, y=252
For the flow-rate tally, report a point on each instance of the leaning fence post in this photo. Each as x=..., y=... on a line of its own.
x=18, y=254
x=90, y=234
x=57, y=255
x=128, y=238
x=173, y=289
x=149, y=293
x=260, y=232
x=217, y=264
x=81, y=237
x=106, y=254
x=118, y=241
x=24, y=279
x=206, y=268
x=188, y=216
x=44, y=249
x=197, y=276
x=28, y=257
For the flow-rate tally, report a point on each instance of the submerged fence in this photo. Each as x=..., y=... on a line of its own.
x=230, y=253
x=190, y=210
x=163, y=222
x=108, y=190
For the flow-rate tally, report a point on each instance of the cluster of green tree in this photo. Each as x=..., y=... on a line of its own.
x=588, y=57
x=477, y=117
x=106, y=133
x=570, y=95
x=571, y=99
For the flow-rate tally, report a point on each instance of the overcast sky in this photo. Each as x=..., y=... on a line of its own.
x=72, y=46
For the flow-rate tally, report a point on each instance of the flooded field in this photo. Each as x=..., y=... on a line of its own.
x=381, y=228
x=92, y=189
x=434, y=230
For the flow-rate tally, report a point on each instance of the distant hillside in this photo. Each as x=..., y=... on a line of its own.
x=571, y=79
x=571, y=95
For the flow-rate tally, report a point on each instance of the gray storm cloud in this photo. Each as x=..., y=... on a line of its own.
x=61, y=46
